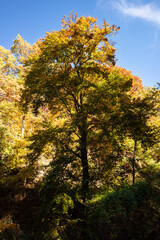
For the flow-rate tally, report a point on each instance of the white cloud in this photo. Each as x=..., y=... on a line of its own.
x=149, y=12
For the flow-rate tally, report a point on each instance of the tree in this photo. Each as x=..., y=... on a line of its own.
x=136, y=123
x=11, y=83
x=9, y=97
x=73, y=75
x=21, y=50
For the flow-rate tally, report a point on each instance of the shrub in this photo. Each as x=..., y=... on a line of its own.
x=131, y=213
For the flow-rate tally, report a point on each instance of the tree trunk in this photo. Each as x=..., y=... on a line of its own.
x=84, y=161
x=133, y=161
x=83, y=148
x=23, y=124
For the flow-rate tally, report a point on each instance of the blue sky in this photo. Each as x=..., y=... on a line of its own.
x=137, y=43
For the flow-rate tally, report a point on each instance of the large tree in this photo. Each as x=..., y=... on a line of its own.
x=73, y=75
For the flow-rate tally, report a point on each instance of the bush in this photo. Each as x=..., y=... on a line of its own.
x=131, y=213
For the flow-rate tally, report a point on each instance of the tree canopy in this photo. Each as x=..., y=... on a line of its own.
x=75, y=77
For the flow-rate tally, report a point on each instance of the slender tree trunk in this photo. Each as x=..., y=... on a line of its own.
x=133, y=161
x=23, y=125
